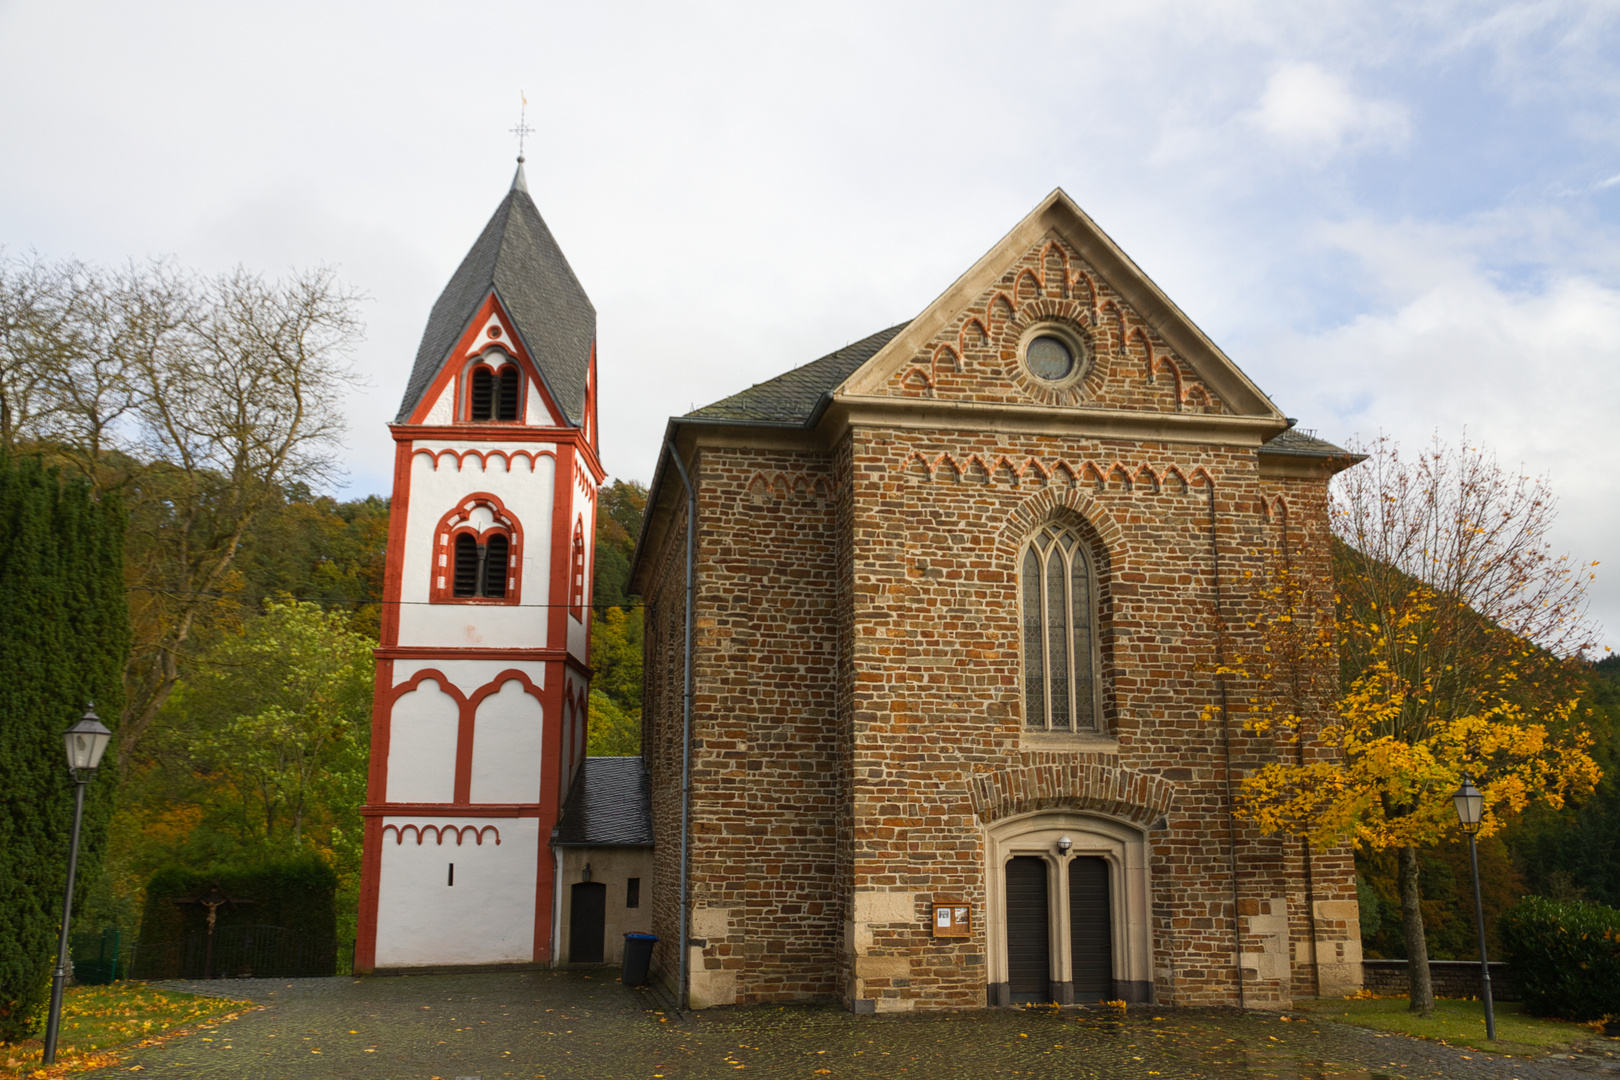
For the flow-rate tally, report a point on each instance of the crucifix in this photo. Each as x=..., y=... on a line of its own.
x=213, y=900
x=522, y=128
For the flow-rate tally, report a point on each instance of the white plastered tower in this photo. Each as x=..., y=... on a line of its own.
x=479, y=719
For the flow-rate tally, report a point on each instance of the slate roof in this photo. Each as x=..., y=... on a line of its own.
x=793, y=396
x=517, y=257
x=1296, y=443
x=610, y=805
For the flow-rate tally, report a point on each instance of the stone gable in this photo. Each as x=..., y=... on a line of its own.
x=978, y=358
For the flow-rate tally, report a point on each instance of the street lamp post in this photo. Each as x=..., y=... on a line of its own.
x=1470, y=804
x=86, y=742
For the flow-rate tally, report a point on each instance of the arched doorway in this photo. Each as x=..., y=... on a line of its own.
x=1074, y=914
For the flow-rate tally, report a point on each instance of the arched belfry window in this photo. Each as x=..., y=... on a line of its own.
x=493, y=395
x=576, y=585
x=1058, y=599
x=479, y=553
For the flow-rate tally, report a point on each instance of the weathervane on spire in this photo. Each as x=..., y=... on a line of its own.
x=522, y=128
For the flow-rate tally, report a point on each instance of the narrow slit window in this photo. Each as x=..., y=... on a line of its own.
x=450, y=879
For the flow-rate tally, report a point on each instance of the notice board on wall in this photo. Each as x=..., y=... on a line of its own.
x=952, y=919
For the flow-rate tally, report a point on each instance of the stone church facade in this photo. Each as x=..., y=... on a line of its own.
x=956, y=736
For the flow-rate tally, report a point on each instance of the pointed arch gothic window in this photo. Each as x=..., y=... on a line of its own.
x=1058, y=602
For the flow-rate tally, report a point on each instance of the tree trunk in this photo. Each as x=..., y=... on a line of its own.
x=1417, y=947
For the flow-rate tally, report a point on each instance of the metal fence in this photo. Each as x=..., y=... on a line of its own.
x=97, y=957
x=234, y=952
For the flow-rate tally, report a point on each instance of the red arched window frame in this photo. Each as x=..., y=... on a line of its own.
x=500, y=399
x=576, y=573
x=457, y=523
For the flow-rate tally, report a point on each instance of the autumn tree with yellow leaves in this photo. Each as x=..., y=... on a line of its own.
x=1457, y=632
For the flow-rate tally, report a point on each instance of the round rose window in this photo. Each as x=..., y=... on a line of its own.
x=1049, y=358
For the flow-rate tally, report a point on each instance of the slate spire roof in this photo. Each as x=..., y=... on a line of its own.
x=518, y=259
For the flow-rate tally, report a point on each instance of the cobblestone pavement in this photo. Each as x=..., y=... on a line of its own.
x=585, y=1026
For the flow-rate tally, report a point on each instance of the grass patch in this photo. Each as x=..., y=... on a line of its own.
x=1458, y=1023
x=97, y=1020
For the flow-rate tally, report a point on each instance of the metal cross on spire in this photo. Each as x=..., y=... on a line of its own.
x=522, y=128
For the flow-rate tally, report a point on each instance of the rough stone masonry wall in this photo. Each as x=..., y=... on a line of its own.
x=766, y=910
x=935, y=655
x=661, y=727
x=1325, y=925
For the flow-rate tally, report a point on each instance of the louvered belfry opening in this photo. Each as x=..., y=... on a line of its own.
x=483, y=392
x=511, y=383
x=1028, y=936
x=466, y=576
x=495, y=560
x=1091, y=946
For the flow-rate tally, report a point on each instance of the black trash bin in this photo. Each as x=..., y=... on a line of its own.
x=637, y=958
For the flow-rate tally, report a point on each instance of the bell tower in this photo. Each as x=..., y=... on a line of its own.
x=478, y=725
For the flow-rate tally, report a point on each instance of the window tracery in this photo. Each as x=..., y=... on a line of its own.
x=1058, y=608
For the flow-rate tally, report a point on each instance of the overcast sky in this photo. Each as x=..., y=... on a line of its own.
x=1395, y=217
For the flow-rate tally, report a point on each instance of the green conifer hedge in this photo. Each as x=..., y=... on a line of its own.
x=64, y=637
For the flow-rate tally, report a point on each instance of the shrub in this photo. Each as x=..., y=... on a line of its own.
x=296, y=894
x=1565, y=957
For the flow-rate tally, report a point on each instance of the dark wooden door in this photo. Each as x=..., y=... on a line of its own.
x=1091, y=939
x=1029, y=950
x=587, y=919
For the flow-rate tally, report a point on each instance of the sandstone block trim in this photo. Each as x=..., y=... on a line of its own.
x=1123, y=794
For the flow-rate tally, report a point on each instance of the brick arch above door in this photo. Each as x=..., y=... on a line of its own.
x=1082, y=782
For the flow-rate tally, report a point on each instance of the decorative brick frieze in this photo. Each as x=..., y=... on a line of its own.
x=1130, y=365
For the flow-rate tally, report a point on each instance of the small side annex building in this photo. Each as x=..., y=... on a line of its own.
x=953, y=639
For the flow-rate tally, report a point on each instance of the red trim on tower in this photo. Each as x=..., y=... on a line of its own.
x=497, y=810
x=455, y=365
x=509, y=457
x=467, y=730
x=365, y=938
x=441, y=560
x=471, y=652
x=487, y=433
x=398, y=514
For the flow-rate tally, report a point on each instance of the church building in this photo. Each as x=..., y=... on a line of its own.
x=931, y=641
x=479, y=721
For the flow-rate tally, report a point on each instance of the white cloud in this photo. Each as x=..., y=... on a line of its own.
x=1311, y=109
x=1529, y=371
